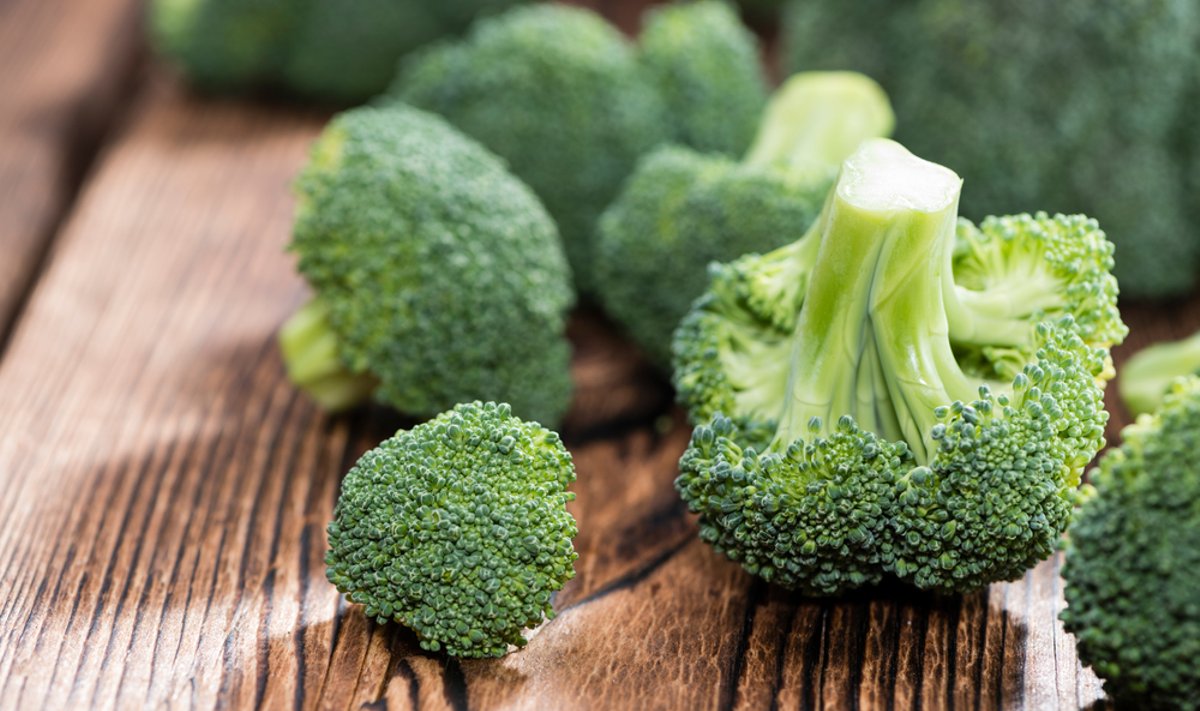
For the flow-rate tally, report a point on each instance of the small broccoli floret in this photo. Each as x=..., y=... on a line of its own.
x=706, y=65
x=329, y=50
x=857, y=421
x=973, y=89
x=1132, y=566
x=458, y=529
x=558, y=93
x=1146, y=377
x=682, y=210
x=439, y=276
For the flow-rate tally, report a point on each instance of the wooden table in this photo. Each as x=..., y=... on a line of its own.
x=164, y=491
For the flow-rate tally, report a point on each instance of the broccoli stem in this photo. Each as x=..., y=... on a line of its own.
x=872, y=338
x=310, y=353
x=815, y=120
x=1146, y=377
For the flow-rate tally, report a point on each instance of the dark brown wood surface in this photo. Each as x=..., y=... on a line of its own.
x=165, y=491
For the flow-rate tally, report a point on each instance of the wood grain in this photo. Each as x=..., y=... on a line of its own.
x=165, y=493
x=65, y=66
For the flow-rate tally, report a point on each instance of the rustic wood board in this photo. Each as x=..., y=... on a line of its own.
x=166, y=492
x=64, y=67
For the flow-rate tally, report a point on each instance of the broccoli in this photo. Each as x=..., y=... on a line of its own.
x=558, y=93
x=1132, y=566
x=439, y=277
x=1146, y=377
x=1035, y=101
x=332, y=50
x=681, y=210
x=898, y=392
x=705, y=65
x=458, y=529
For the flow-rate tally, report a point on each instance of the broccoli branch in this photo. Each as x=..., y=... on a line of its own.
x=310, y=353
x=815, y=120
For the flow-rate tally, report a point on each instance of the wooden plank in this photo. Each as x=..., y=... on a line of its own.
x=65, y=65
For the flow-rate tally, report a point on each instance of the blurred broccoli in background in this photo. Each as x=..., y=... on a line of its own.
x=439, y=277
x=1036, y=102
x=340, y=50
x=1146, y=377
x=1132, y=567
x=682, y=209
x=571, y=104
x=707, y=68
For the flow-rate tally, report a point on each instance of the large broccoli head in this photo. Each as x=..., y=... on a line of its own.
x=1132, y=567
x=898, y=393
x=1034, y=102
x=706, y=66
x=344, y=51
x=558, y=93
x=438, y=275
x=681, y=210
x=458, y=529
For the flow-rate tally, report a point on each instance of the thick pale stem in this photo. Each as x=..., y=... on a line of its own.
x=310, y=353
x=872, y=340
x=816, y=120
x=1145, y=379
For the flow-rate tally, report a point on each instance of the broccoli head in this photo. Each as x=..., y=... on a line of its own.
x=1132, y=566
x=898, y=392
x=458, y=530
x=706, y=66
x=681, y=209
x=340, y=51
x=1035, y=102
x=558, y=93
x=1145, y=378
x=439, y=277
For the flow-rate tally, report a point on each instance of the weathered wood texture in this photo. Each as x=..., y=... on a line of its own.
x=64, y=68
x=165, y=493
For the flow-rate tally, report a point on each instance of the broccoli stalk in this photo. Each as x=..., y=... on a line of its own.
x=682, y=210
x=1146, y=377
x=310, y=353
x=854, y=420
x=882, y=258
x=815, y=120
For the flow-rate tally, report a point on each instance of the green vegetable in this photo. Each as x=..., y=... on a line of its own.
x=1146, y=377
x=706, y=66
x=438, y=275
x=458, y=529
x=1132, y=567
x=682, y=210
x=898, y=392
x=322, y=48
x=1037, y=102
x=559, y=94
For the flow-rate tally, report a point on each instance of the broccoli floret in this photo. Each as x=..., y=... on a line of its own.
x=439, y=277
x=1035, y=102
x=1132, y=566
x=458, y=529
x=331, y=50
x=706, y=66
x=681, y=210
x=898, y=392
x=1146, y=377
x=558, y=93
